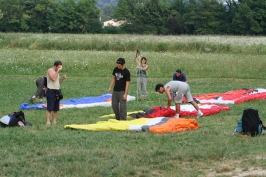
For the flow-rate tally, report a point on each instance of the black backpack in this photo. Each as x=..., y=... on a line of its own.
x=15, y=117
x=251, y=122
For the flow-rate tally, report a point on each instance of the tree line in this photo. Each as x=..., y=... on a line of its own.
x=57, y=16
x=158, y=17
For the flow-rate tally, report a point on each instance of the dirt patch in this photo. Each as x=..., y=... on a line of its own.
x=234, y=168
x=238, y=172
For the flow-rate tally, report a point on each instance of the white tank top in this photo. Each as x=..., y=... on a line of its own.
x=53, y=84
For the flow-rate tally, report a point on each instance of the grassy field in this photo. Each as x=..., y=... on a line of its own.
x=211, y=150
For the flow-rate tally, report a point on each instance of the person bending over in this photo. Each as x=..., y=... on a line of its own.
x=41, y=84
x=176, y=90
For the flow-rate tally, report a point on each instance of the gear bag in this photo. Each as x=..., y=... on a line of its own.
x=13, y=119
x=250, y=123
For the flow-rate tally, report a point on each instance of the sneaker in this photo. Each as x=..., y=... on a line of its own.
x=200, y=114
x=176, y=116
x=32, y=100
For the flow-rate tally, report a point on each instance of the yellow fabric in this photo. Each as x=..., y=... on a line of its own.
x=157, y=125
x=113, y=115
x=111, y=124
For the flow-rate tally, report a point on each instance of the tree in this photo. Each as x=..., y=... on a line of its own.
x=126, y=10
x=250, y=17
x=205, y=17
x=55, y=20
x=230, y=10
x=37, y=12
x=75, y=17
x=177, y=21
x=12, y=12
x=64, y=19
x=89, y=17
x=144, y=16
x=107, y=12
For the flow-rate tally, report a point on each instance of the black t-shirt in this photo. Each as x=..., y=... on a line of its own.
x=121, y=77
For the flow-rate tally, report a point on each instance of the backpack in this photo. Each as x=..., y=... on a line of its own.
x=250, y=123
x=14, y=118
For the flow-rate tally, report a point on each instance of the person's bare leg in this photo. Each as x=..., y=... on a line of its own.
x=195, y=105
x=48, y=114
x=54, y=116
x=197, y=108
x=177, y=108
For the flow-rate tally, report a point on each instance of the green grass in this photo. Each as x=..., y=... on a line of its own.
x=202, y=44
x=211, y=150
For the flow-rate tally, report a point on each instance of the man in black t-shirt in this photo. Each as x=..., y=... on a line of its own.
x=120, y=81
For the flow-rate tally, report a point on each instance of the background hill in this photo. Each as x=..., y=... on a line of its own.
x=103, y=3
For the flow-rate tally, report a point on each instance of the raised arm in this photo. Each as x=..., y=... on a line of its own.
x=136, y=61
x=53, y=75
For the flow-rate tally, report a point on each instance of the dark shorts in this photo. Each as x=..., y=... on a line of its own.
x=52, y=102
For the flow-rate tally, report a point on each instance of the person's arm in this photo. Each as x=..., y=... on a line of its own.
x=145, y=68
x=45, y=89
x=111, y=84
x=174, y=76
x=62, y=79
x=169, y=98
x=136, y=60
x=137, y=55
x=52, y=75
x=126, y=90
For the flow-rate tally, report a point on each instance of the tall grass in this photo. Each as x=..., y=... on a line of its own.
x=163, y=64
x=54, y=151
x=148, y=43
